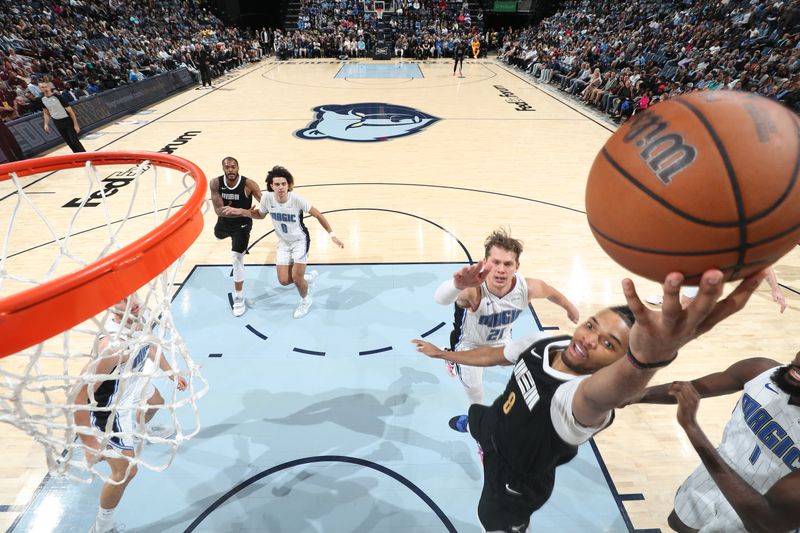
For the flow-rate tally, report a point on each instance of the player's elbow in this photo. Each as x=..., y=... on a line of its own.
x=441, y=299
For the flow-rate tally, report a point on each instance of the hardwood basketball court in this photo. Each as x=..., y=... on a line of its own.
x=466, y=156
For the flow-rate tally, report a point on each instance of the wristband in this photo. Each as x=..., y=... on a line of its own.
x=647, y=366
x=331, y=234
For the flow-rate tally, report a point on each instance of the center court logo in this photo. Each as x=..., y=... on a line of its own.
x=365, y=122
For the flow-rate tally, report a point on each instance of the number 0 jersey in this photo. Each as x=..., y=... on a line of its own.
x=287, y=217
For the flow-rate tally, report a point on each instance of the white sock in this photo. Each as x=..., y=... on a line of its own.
x=104, y=520
x=237, y=295
x=304, y=300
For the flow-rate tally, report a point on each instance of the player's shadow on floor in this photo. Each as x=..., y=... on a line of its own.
x=359, y=411
x=309, y=500
x=362, y=411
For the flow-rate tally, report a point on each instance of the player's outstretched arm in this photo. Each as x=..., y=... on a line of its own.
x=777, y=294
x=777, y=510
x=539, y=289
x=314, y=212
x=480, y=356
x=655, y=340
x=717, y=384
x=462, y=288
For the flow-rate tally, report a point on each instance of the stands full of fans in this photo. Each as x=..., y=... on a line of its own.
x=621, y=57
x=422, y=29
x=83, y=47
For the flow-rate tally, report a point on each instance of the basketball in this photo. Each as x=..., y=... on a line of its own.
x=704, y=180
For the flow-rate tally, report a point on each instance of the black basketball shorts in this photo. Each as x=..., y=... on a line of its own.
x=238, y=229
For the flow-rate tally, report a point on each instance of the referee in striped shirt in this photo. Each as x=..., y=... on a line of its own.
x=55, y=107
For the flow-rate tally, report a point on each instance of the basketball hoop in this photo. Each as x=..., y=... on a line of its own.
x=379, y=13
x=69, y=300
x=52, y=322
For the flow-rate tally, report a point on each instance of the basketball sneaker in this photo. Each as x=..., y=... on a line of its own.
x=238, y=307
x=459, y=423
x=160, y=431
x=654, y=300
x=302, y=308
x=452, y=368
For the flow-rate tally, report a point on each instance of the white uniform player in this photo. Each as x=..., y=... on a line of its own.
x=286, y=209
x=287, y=217
x=489, y=296
x=751, y=481
x=121, y=404
x=761, y=443
x=489, y=325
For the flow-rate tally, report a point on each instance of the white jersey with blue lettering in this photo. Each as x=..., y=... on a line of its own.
x=287, y=217
x=762, y=439
x=761, y=442
x=491, y=323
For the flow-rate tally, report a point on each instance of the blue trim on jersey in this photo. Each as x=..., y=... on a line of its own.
x=141, y=355
x=461, y=329
x=307, y=234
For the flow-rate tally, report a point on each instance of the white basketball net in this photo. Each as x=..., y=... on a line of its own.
x=40, y=385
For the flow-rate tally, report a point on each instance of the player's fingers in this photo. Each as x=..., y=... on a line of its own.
x=634, y=303
x=419, y=344
x=671, y=305
x=706, y=300
x=734, y=302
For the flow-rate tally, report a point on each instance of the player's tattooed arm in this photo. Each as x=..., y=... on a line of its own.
x=216, y=197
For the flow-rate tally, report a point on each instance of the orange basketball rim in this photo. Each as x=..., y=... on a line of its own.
x=36, y=314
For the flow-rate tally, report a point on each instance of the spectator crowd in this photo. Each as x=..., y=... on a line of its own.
x=621, y=57
x=419, y=29
x=83, y=47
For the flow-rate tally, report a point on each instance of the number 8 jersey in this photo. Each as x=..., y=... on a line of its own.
x=287, y=217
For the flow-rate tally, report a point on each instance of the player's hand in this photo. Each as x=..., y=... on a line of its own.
x=472, y=275
x=229, y=211
x=47, y=128
x=428, y=349
x=77, y=129
x=180, y=383
x=337, y=242
x=573, y=314
x=688, y=402
x=778, y=298
x=657, y=336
